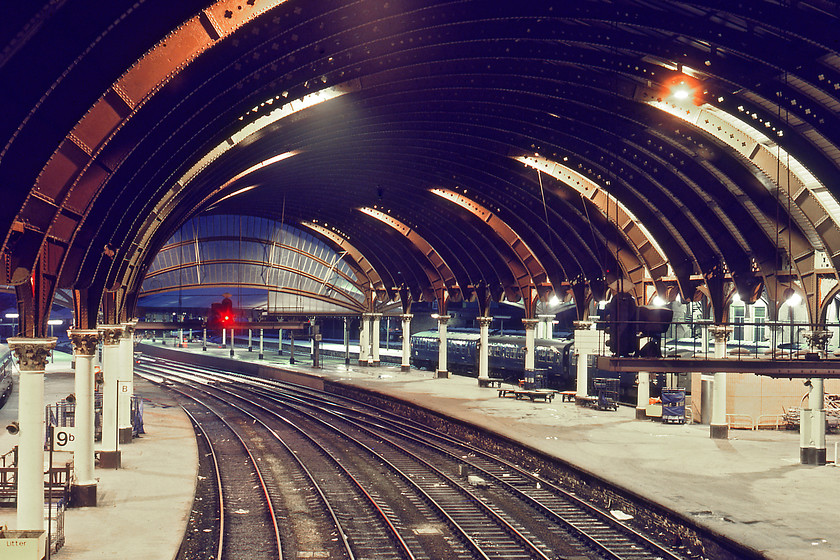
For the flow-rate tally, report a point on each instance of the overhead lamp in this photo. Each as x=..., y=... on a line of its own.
x=736, y=298
x=55, y=322
x=12, y=315
x=794, y=299
x=554, y=300
x=658, y=301
x=681, y=91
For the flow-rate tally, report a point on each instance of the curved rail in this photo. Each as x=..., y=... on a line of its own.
x=265, y=493
x=218, y=477
x=544, y=503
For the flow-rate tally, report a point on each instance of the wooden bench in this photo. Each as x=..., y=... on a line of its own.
x=507, y=392
x=497, y=383
x=568, y=396
x=543, y=394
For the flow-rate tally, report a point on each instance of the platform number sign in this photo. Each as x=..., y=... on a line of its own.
x=64, y=438
x=123, y=387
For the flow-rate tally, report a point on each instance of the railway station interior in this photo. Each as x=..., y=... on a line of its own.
x=609, y=230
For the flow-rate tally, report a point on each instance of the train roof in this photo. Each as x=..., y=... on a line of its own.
x=449, y=335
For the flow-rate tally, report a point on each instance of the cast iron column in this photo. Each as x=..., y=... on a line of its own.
x=364, y=340
x=719, y=427
x=530, y=342
x=83, y=489
x=405, y=365
x=126, y=378
x=483, y=345
x=375, y=338
x=32, y=355
x=109, y=455
x=441, y=369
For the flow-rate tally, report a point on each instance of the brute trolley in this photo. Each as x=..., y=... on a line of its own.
x=673, y=406
x=607, y=392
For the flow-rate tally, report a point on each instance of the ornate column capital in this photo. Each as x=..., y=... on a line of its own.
x=111, y=334
x=442, y=319
x=582, y=325
x=482, y=321
x=530, y=323
x=818, y=338
x=84, y=341
x=32, y=353
x=720, y=332
x=128, y=327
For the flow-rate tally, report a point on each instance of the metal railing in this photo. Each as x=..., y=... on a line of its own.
x=747, y=339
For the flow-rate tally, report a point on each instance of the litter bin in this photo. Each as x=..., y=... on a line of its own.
x=673, y=406
x=22, y=545
x=530, y=380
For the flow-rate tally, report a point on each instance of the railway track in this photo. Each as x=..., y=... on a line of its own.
x=396, y=489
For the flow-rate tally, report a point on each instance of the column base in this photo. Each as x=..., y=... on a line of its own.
x=719, y=431
x=125, y=435
x=375, y=363
x=441, y=374
x=363, y=363
x=405, y=368
x=250, y=349
x=110, y=459
x=83, y=495
x=812, y=456
x=231, y=353
x=641, y=414
x=260, y=357
x=204, y=349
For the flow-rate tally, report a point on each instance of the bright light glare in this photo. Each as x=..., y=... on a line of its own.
x=602, y=304
x=12, y=315
x=55, y=322
x=554, y=300
x=794, y=300
x=736, y=298
x=658, y=301
x=681, y=92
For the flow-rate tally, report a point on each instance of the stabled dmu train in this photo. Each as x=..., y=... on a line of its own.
x=505, y=356
x=506, y=360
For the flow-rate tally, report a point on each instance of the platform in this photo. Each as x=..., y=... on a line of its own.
x=750, y=487
x=143, y=507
